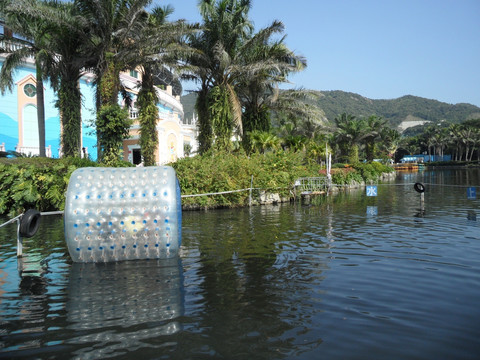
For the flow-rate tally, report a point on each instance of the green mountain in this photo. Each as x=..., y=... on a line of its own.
x=404, y=112
x=406, y=109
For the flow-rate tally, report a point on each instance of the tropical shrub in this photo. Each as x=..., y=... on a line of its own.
x=224, y=171
x=112, y=127
x=38, y=183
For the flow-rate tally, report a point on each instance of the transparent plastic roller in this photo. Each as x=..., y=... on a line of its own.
x=114, y=214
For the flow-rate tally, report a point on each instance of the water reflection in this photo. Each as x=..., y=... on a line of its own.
x=250, y=281
x=122, y=305
x=328, y=280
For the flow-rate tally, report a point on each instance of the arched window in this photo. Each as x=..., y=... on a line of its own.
x=30, y=126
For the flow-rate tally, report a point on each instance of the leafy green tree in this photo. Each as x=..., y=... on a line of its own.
x=69, y=37
x=267, y=63
x=156, y=47
x=349, y=134
x=391, y=140
x=213, y=64
x=112, y=126
x=262, y=141
x=295, y=142
x=455, y=140
x=373, y=128
x=113, y=27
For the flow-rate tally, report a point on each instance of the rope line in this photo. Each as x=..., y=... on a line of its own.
x=446, y=185
x=52, y=213
x=217, y=193
x=249, y=189
x=11, y=220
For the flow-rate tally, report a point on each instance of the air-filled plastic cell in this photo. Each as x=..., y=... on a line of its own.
x=114, y=214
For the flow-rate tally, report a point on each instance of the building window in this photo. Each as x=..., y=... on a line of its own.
x=134, y=73
x=30, y=90
x=133, y=113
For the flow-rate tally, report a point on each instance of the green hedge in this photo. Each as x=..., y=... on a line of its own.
x=38, y=183
x=223, y=171
x=41, y=183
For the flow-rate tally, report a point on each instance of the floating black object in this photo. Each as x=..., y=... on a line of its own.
x=29, y=223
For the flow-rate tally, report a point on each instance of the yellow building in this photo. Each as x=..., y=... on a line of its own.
x=175, y=135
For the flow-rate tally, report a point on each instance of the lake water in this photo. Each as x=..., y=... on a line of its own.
x=347, y=277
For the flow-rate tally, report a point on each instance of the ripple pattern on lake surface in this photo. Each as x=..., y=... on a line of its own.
x=329, y=280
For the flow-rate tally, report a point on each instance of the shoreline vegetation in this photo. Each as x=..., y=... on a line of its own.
x=41, y=183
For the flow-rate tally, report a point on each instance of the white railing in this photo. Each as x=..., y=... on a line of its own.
x=10, y=46
x=33, y=150
x=133, y=113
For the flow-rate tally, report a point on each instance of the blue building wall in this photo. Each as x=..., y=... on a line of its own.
x=89, y=137
x=9, y=116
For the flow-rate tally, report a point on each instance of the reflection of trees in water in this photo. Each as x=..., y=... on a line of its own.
x=252, y=286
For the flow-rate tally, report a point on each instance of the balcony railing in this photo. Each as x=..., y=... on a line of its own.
x=10, y=46
x=33, y=150
x=133, y=113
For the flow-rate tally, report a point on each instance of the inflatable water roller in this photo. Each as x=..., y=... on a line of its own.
x=114, y=214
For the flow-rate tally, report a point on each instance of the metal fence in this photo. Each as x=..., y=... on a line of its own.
x=311, y=184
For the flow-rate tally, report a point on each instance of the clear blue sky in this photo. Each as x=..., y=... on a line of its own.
x=380, y=49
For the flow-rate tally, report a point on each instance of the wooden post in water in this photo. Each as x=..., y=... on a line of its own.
x=250, y=196
x=420, y=188
x=19, y=240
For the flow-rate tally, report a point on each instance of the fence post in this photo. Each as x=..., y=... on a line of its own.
x=250, y=196
x=19, y=240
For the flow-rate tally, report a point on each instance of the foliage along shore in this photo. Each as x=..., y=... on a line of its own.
x=41, y=183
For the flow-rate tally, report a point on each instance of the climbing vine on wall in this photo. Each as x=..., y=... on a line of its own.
x=148, y=117
x=221, y=115
x=113, y=126
x=69, y=98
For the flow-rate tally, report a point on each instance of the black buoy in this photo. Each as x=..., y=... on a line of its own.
x=419, y=187
x=29, y=223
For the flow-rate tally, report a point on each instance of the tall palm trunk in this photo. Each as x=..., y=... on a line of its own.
x=109, y=87
x=205, y=135
x=148, y=115
x=40, y=108
x=353, y=154
x=70, y=101
x=370, y=149
x=110, y=82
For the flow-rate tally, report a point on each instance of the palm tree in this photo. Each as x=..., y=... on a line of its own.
x=63, y=61
x=215, y=65
x=35, y=43
x=114, y=24
x=349, y=134
x=262, y=141
x=374, y=126
x=69, y=39
x=266, y=63
x=391, y=139
x=156, y=47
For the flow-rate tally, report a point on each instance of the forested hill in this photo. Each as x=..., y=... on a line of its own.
x=404, y=109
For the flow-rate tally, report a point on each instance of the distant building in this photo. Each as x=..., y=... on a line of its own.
x=19, y=126
x=424, y=158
